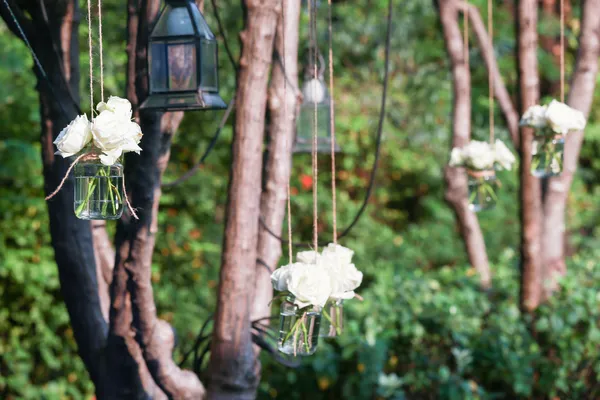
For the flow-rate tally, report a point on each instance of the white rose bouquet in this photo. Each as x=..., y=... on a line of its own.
x=314, y=282
x=551, y=123
x=481, y=160
x=101, y=141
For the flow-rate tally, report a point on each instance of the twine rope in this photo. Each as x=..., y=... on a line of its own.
x=101, y=50
x=332, y=127
x=89, y=10
x=562, y=51
x=64, y=179
x=313, y=36
x=490, y=16
x=90, y=44
x=466, y=33
x=285, y=113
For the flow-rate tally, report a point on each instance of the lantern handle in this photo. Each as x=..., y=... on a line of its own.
x=309, y=70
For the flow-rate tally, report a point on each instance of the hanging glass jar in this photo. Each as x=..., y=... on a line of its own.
x=547, y=154
x=298, y=328
x=98, y=189
x=482, y=189
x=333, y=318
x=314, y=112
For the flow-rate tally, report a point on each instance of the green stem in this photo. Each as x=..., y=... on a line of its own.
x=90, y=190
x=305, y=330
x=338, y=327
x=291, y=332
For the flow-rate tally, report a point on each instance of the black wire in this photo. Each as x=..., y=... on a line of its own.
x=382, y=112
x=222, y=32
x=211, y=145
x=199, y=339
x=58, y=57
x=36, y=60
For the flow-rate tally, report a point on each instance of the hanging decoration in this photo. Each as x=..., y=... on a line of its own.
x=316, y=101
x=482, y=160
x=313, y=288
x=182, y=61
x=97, y=145
x=552, y=123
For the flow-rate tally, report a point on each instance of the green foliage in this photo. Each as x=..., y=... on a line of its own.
x=424, y=331
x=436, y=335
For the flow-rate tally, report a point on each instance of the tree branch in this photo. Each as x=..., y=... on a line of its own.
x=506, y=104
x=531, y=207
x=580, y=97
x=279, y=157
x=456, y=180
x=233, y=362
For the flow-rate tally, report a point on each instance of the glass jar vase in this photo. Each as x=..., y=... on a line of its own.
x=98, y=189
x=547, y=154
x=333, y=318
x=298, y=328
x=482, y=190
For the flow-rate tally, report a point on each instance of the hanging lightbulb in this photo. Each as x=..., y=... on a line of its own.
x=314, y=109
x=182, y=61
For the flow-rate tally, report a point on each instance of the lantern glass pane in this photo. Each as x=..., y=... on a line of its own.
x=158, y=64
x=306, y=126
x=174, y=21
x=208, y=65
x=182, y=66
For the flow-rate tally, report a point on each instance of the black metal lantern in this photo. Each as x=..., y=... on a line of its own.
x=315, y=107
x=182, y=61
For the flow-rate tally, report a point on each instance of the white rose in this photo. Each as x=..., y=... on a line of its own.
x=117, y=105
x=456, y=157
x=109, y=157
x=535, y=117
x=504, y=157
x=308, y=257
x=280, y=277
x=313, y=91
x=478, y=155
x=563, y=118
x=310, y=284
x=344, y=276
x=74, y=137
x=342, y=254
x=113, y=131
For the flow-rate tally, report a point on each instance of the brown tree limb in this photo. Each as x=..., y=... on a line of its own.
x=531, y=205
x=456, y=179
x=104, y=254
x=501, y=93
x=580, y=97
x=144, y=361
x=233, y=362
x=279, y=159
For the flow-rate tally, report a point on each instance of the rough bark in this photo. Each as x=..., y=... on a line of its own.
x=283, y=101
x=55, y=43
x=456, y=179
x=580, y=97
x=501, y=93
x=232, y=365
x=104, y=255
x=131, y=292
x=531, y=205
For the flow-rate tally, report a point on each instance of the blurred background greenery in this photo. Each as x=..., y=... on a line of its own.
x=424, y=330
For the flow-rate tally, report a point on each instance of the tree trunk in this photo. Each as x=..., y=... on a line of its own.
x=531, y=205
x=580, y=97
x=501, y=93
x=232, y=365
x=55, y=42
x=131, y=293
x=279, y=159
x=456, y=180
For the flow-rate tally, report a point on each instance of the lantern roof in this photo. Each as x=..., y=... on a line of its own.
x=181, y=18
